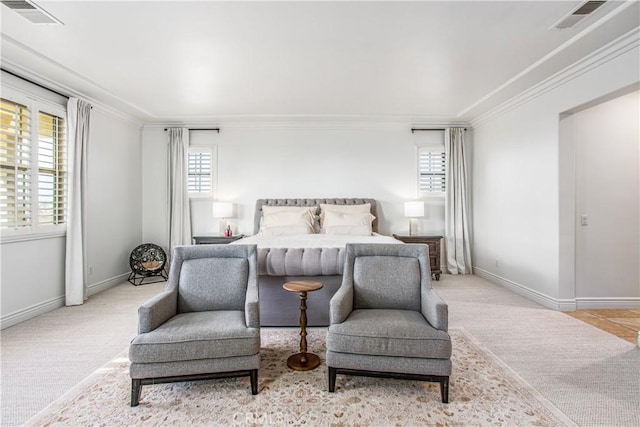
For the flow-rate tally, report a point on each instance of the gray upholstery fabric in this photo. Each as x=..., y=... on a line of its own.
x=434, y=309
x=252, y=308
x=403, y=333
x=193, y=367
x=386, y=282
x=208, y=313
x=197, y=335
x=157, y=310
x=312, y=202
x=213, y=284
x=341, y=304
x=386, y=317
x=405, y=365
x=419, y=252
x=300, y=261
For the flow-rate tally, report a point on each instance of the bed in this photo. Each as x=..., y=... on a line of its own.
x=316, y=252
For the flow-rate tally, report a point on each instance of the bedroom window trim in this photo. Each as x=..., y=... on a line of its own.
x=431, y=163
x=36, y=147
x=202, y=171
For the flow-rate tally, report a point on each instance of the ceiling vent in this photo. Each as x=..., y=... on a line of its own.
x=31, y=11
x=582, y=11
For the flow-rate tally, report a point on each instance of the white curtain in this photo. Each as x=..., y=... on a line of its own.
x=457, y=209
x=78, y=120
x=179, y=212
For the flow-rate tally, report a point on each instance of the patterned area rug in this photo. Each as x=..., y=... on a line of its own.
x=483, y=391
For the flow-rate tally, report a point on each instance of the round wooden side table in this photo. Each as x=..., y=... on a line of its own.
x=303, y=361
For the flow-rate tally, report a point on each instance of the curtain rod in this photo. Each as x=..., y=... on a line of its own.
x=36, y=84
x=216, y=129
x=437, y=129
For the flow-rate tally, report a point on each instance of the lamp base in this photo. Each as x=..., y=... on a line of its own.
x=413, y=227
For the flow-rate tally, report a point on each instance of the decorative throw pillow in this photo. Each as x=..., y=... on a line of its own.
x=348, y=223
x=345, y=209
x=299, y=218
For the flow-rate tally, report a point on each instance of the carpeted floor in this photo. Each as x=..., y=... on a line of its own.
x=44, y=357
x=591, y=376
x=482, y=392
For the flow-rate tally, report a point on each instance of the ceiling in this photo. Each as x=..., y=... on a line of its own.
x=211, y=61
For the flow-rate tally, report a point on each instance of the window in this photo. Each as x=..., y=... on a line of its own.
x=33, y=171
x=431, y=170
x=15, y=166
x=201, y=171
x=52, y=170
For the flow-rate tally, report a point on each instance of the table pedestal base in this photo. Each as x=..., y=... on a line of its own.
x=303, y=361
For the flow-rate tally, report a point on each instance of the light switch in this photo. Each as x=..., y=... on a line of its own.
x=584, y=220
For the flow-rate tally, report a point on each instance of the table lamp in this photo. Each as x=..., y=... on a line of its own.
x=224, y=211
x=413, y=210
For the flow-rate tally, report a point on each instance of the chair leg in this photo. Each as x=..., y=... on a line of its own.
x=136, y=389
x=332, y=379
x=444, y=389
x=254, y=381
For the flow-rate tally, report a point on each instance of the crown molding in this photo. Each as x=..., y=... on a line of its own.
x=53, y=85
x=306, y=118
x=306, y=123
x=548, y=57
x=20, y=70
x=618, y=47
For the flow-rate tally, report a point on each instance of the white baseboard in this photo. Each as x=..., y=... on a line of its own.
x=46, y=306
x=578, y=303
x=542, y=299
x=106, y=284
x=31, y=312
x=584, y=303
x=567, y=305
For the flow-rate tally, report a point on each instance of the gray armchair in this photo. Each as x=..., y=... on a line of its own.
x=386, y=320
x=205, y=324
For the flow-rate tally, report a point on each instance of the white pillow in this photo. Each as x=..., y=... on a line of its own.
x=295, y=217
x=347, y=209
x=348, y=223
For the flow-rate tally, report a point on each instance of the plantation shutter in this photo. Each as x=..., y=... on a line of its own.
x=431, y=167
x=52, y=170
x=15, y=165
x=200, y=165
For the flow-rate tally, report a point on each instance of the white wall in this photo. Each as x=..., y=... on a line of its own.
x=294, y=160
x=516, y=186
x=607, y=251
x=32, y=271
x=115, y=198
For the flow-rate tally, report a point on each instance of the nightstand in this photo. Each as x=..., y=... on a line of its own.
x=434, y=250
x=215, y=240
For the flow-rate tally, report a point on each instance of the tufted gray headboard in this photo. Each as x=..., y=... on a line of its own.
x=311, y=202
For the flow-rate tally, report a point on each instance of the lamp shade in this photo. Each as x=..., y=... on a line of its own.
x=414, y=209
x=222, y=210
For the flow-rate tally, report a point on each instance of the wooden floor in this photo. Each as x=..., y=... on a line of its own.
x=622, y=323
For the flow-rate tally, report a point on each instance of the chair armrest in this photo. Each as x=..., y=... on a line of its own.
x=252, y=308
x=341, y=304
x=434, y=309
x=157, y=310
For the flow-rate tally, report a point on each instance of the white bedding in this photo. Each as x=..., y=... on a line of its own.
x=302, y=241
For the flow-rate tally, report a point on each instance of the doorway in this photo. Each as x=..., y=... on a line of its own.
x=600, y=203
